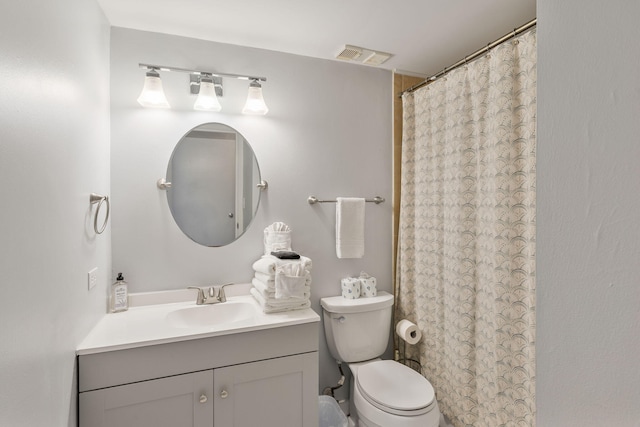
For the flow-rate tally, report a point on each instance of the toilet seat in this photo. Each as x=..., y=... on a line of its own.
x=395, y=388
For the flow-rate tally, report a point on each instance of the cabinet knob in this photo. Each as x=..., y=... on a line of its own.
x=224, y=394
x=203, y=398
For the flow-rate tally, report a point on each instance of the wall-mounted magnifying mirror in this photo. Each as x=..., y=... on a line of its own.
x=213, y=184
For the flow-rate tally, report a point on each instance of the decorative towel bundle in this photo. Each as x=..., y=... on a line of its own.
x=277, y=237
x=282, y=284
x=350, y=227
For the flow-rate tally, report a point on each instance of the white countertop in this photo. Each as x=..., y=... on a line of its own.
x=147, y=324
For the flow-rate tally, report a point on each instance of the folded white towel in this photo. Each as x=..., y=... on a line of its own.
x=350, y=227
x=268, y=264
x=265, y=265
x=270, y=308
x=269, y=294
x=266, y=290
x=268, y=279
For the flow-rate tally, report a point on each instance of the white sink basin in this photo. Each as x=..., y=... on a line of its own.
x=211, y=315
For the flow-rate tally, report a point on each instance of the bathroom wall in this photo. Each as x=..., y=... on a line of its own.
x=54, y=151
x=588, y=238
x=328, y=133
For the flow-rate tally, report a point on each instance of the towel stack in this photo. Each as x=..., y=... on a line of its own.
x=282, y=284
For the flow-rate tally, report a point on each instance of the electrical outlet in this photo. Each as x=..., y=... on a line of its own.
x=92, y=277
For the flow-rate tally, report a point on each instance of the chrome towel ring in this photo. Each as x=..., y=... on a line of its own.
x=97, y=198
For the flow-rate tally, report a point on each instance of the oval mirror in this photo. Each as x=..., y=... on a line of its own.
x=213, y=193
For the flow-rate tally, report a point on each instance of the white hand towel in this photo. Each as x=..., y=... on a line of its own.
x=350, y=227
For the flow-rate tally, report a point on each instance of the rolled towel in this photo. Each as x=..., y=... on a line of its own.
x=350, y=227
x=269, y=308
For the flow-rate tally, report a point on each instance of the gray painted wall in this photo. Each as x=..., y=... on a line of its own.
x=54, y=151
x=328, y=133
x=588, y=345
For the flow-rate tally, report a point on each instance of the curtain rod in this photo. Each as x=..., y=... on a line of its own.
x=473, y=56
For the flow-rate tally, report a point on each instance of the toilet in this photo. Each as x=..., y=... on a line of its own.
x=384, y=393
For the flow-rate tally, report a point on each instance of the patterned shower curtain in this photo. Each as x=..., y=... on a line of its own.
x=466, y=257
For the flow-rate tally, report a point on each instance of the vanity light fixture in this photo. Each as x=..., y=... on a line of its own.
x=207, y=99
x=208, y=86
x=255, y=101
x=152, y=93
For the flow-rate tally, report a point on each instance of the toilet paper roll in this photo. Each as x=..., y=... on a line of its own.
x=368, y=287
x=408, y=331
x=350, y=288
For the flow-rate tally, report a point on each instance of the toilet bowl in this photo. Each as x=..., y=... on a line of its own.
x=384, y=393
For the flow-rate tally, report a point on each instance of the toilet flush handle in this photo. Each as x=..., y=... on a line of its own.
x=341, y=319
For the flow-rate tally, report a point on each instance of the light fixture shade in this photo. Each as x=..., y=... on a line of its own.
x=152, y=93
x=255, y=102
x=207, y=99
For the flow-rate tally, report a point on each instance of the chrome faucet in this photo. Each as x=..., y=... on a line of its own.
x=210, y=295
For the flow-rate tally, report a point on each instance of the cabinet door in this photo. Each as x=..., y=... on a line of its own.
x=179, y=401
x=278, y=392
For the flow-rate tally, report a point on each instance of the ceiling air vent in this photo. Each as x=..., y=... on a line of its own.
x=376, y=58
x=362, y=55
x=350, y=53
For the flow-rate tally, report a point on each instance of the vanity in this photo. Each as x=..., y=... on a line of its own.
x=174, y=363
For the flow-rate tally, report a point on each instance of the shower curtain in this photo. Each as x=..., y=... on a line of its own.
x=466, y=257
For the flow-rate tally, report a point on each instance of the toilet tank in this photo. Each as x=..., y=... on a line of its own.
x=357, y=329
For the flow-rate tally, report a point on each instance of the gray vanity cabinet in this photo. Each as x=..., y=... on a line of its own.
x=180, y=400
x=265, y=378
x=266, y=393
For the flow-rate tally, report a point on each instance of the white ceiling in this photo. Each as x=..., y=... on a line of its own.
x=424, y=35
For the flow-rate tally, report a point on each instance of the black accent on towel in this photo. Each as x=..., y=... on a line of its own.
x=286, y=255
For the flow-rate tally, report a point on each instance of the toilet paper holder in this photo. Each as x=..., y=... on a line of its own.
x=402, y=349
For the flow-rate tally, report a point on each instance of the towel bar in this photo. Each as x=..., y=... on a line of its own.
x=313, y=200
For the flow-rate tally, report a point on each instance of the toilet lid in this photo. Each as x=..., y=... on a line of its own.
x=395, y=386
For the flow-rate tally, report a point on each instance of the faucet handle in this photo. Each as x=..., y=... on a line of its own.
x=201, y=297
x=221, y=295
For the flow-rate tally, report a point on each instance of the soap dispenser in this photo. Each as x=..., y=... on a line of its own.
x=119, y=298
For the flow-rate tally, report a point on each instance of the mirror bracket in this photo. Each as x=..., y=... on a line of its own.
x=263, y=185
x=163, y=184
